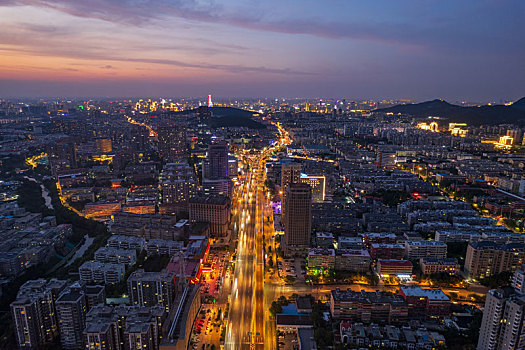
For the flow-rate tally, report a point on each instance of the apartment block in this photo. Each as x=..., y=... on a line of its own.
x=487, y=258
x=151, y=288
x=425, y=249
x=98, y=272
x=439, y=265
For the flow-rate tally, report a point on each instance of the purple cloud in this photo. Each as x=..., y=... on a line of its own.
x=455, y=26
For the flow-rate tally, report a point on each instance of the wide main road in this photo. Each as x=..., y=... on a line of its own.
x=258, y=324
x=239, y=334
x=248, y=312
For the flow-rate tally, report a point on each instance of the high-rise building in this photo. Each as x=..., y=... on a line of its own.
x=212, y=209
x=33, y=312
x=222, y=187
x=386, y=159
x=172, y=142
x=298, y=218
x=217, y=162
x=62, y=154
x=138, y=336
x=151, y=288
x=290, y=172
x=71, y=307
x=503, y=318
x=486, y=258
x=215, y=170
x=177, y=183
x=317, y=183
x=123, y=327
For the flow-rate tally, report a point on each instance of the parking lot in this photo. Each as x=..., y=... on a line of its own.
x=207, y=329
x=287, y=341
x=293, y=268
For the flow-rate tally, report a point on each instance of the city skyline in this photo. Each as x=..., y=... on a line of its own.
x=468, y=50
x=266, y=175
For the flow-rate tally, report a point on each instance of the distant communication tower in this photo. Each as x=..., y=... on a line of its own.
x=210, y=104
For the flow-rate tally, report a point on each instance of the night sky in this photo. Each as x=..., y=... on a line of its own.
x=458, y=50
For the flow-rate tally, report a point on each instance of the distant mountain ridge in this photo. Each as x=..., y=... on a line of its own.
x=496, y=114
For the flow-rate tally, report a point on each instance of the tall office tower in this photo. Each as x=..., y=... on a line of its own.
x=172, y=141
x=298, y=221
x=34, y=314
x=317, y=183
x=217, y=161
x=215, y=170
x=71, y=309
x=290, y=173
x=151, y=288
x=502, y=324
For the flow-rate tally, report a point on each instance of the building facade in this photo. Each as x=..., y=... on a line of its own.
x=214, y=210
x=298, y=218
x=439, y=265
x=34, y=317
x=486, y=258
x=503, y=319
x=71, y=308
x=151, y=288
x=425, y=249
x=425, y=303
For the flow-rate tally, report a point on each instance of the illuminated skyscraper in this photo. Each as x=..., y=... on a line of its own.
x=298, y=221
x=317, y=183
x=217, y=161
x=290, y=173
